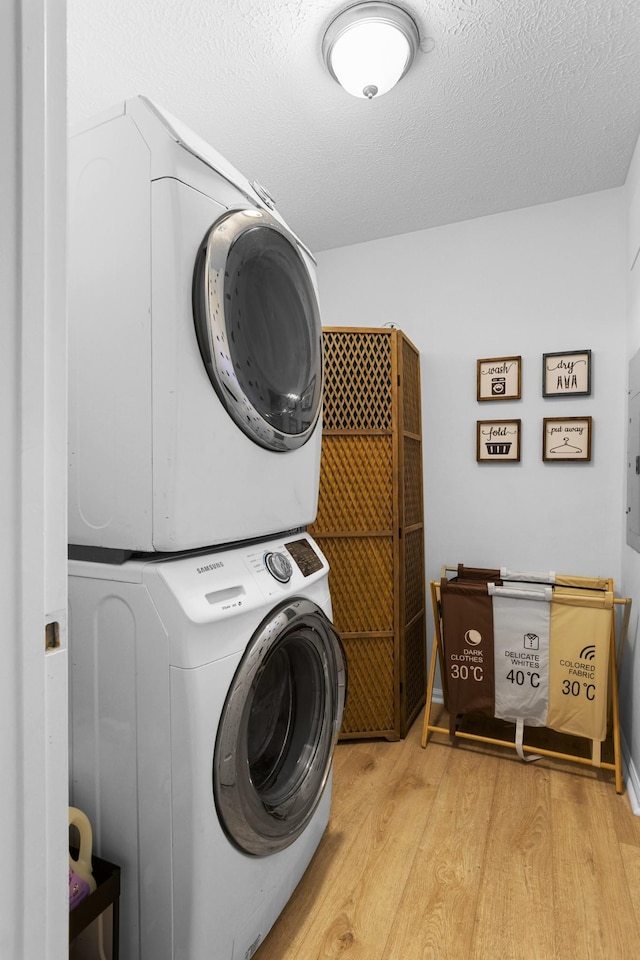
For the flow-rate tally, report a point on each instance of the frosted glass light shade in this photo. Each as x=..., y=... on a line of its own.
x=369, y=47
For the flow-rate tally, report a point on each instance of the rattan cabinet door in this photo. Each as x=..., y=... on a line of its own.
x=370, y=524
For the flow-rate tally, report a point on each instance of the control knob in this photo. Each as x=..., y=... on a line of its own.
x=278, y=566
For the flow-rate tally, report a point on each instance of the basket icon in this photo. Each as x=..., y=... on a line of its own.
x=498, y=449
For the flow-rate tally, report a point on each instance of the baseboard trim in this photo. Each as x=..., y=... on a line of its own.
x=632, y=780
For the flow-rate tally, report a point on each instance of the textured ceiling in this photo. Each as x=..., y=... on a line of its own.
x=511, y=103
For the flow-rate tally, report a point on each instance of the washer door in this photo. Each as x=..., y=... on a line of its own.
x=258, y=327
x=278, y=729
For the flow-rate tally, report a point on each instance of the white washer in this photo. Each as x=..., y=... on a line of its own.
x=206, y=697
x=195, y=345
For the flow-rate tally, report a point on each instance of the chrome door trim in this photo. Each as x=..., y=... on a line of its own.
x=209, y=314
x=256, y=822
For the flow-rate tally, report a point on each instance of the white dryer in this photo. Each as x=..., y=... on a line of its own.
x=195, y=346
x=206, y=697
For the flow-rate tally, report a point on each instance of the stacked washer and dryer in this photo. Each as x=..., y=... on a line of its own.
x=207, y=682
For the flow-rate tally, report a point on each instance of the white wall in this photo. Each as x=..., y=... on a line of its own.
x=630, y=673
x=531, y=281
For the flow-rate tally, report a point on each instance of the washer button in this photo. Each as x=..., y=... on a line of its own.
x=278, y=566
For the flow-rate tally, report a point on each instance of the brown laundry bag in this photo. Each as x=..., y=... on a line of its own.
x=467, y=641
x=477, y=573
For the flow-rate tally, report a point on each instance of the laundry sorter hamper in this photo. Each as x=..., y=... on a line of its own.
x=370, y=524
x=532, y=650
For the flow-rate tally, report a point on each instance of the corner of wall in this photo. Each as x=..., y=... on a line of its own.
x=632, y=189
x=630, y=561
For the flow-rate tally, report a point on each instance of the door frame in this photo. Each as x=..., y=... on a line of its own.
x=33, y=679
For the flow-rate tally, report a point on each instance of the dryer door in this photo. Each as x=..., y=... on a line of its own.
x=278, y=729
x=258, y=326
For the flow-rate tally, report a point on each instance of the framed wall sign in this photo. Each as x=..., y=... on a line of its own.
x=498, y=441
x=566, y=438
x=566, y=374
x=499, y=378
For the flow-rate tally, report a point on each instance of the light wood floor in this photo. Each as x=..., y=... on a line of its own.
x=466, y=853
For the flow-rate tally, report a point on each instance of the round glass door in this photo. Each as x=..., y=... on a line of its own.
x=258, y=327
x=278, y=729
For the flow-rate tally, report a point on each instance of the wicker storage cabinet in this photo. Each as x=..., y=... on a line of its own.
x=370, y=524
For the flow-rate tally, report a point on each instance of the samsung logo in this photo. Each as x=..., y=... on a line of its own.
x=211, y=566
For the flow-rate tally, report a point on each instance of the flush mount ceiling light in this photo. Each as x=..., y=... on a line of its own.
x=369, y=47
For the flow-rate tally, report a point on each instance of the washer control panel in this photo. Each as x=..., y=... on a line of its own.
x=279, y=566
x=211, y=585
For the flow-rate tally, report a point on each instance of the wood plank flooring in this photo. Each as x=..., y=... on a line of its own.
x=466, y=853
